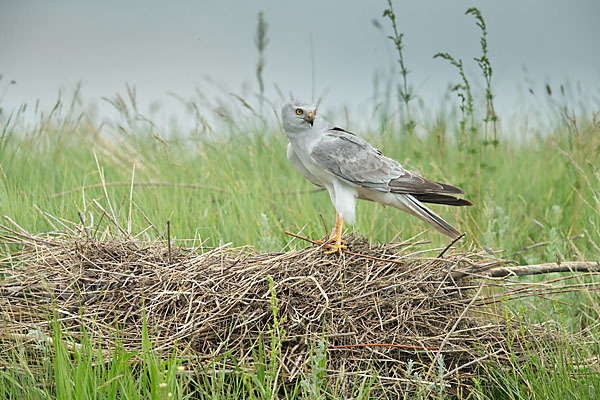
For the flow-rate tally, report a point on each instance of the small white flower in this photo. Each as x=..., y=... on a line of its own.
x=162, y=385
x=181, y=368
x=169, y=394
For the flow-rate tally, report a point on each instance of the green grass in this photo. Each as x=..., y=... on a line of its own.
x=64, y=368
x=550, y=375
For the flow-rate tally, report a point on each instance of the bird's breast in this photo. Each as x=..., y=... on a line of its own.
x=315, y=171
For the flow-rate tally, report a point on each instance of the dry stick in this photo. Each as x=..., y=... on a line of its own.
x=581, y=235
x=527, y=248
x=57, y=220
x=83, y=225
x=547, y=268
x=519, y=294
x=98, y=226
x=17, y=234
x=301, y=237
x=402, y=346
x=324, y=225
x=103, y=181
x=110, y=217
x=450, y=245
x=169, y=240
x=130, y=199
x=23, y=231
x=147, y=219
x=292, y=239
x=149, y=183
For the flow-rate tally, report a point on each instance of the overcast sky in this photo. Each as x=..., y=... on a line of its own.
x=163, y=47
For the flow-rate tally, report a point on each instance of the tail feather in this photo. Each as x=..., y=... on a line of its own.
x=410, y=204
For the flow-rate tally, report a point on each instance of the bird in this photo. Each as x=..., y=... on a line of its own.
x=351, y=168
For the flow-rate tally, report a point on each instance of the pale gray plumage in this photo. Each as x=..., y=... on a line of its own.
x=349, y=168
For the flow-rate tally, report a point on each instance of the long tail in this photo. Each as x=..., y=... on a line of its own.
x=411, y=205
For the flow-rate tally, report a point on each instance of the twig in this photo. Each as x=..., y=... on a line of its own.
x=23, y=231
x=83, y=225
x=324, y=224
x=107, y=198
x=527, y=248
x=147, y=219
x=301, y=237
x=112, y=219
x=130, y=199
x=292, y=239
x=169, y=240
x=548, y=268
x=450, y=245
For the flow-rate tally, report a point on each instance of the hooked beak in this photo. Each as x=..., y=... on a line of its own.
x=310, y=118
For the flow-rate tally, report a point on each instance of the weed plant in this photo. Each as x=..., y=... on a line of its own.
x=405, y=93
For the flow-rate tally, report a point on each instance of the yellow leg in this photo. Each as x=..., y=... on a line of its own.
x=337, y=223
x=337, y=246
x=331, y=238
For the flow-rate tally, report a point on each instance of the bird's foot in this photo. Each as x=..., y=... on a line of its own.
x=335, y=245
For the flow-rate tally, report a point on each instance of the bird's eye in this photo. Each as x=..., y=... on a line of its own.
x=299, y=111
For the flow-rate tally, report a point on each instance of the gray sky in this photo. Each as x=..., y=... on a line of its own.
x=165, y=47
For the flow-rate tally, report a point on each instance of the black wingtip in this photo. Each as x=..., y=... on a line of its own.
x=435, y=198
x=451, y=189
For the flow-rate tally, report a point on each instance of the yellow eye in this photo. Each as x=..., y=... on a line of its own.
x=299, y=111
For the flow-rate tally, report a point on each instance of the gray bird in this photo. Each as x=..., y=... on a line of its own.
x=350, y=168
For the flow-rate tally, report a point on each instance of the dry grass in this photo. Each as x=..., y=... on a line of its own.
x=378, y=305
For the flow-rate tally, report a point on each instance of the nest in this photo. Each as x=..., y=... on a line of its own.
x=372, y=311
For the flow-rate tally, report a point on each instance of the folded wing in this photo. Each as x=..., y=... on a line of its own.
x=358, y=163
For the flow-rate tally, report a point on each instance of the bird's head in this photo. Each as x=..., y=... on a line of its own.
x=297, y=117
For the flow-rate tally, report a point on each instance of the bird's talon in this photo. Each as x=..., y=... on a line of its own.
x=335, y=248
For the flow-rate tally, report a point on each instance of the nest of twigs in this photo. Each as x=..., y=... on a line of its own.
x=377, y=306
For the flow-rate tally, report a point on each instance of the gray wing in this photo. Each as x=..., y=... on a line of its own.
x=358, y=163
